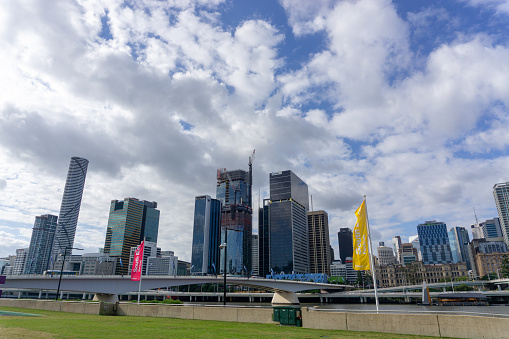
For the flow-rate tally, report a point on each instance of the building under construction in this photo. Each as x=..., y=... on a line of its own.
x=234, y=190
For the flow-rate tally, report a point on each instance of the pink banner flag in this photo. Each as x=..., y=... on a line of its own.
x=137, y=263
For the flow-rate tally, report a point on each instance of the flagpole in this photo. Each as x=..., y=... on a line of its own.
x=371, y=256
x=141, y=274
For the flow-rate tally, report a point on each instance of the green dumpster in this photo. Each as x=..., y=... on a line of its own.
x=288, y=315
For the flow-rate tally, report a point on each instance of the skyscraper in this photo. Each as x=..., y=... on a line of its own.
x=501, y=194
x=206, y=235
x=345, y=241
x=459, y=240
x=233, y=190
x=319, y=242
x=491, y=228
x=70, y=208
x=39, y=252
x=125, y=228
x=254, y=256
x=264, y=239
x=396, y=245
x=288, y=223
x=434, y=241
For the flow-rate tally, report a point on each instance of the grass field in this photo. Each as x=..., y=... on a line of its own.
x=73, y=325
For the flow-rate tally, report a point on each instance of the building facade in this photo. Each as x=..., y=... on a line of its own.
x=288, y=223
x=345, y=241
x=434, y=243
x=206, y=235
x=416, y=273
x=233, y=189
x=39, y=252
x=319, y=242
x=19, y=263
x=491, y=228
x=501, y=195
x=459, y=240
x=487, y=263
x=125, y=229
x=70, y=208
x=385, y=256
x=396, y=245
x=255, y=257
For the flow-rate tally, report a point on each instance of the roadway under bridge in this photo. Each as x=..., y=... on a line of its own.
x=107, y=288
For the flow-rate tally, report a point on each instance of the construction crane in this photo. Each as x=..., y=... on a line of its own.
x=250, y=181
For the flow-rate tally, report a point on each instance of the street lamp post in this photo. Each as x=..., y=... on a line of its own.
x=223, y=246
x=62, y=268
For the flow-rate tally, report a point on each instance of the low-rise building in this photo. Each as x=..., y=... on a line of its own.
x=416, y=272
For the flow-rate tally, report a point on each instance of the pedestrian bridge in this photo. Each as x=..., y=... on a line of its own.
x=107, y=288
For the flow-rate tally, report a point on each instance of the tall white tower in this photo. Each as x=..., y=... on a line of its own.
x=70, y=208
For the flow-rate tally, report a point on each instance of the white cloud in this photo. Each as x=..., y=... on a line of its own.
x=501, y=6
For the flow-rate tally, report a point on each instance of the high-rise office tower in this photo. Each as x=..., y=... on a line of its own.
x=70, y=208
x=459, y=240
x=150, y=221
x=288, y=223
x=408, y=254
x=125, y=228
x=263, y=239
x=491, y=228
x=39, y=252
x=319, y=242
x=396, y=245
x=501, y=194
x=254, y=256
x=434, y=241
x=233, y=190
x=206, y=236
x=345, y=241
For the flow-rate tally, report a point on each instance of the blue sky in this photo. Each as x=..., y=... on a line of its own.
x=404, y=101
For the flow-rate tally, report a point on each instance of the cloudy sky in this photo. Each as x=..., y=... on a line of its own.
x=404, y=101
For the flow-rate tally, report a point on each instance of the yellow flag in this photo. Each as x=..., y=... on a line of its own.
x=360, y=240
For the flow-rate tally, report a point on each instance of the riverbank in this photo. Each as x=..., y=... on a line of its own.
x=71, y=325
x=438, y=325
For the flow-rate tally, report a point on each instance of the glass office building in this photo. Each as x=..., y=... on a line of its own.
x=434, y=243
x=125, y=228
x=345, y=242
x=206, y=235
x=288, y=224
x=263, y=239
x=39, y=252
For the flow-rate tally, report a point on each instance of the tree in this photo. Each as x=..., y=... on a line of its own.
x=504, y=267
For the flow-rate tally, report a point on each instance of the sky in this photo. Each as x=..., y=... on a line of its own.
x=406, y=102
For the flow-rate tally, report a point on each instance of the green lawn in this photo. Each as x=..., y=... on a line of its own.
x=73, y=325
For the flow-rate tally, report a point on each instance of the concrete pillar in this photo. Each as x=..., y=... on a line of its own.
x=321, y=300
x=84, y=297
x=47, y=295
x=19, y=294
x=362, y=300
x=443, y=288
x=499, y=287
x=62, y=295
x=129, y=297
x=285, y=298
x=40, y=294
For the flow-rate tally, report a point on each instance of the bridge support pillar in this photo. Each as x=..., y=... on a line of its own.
x=499, y=287
x=285, y=298
x=19, y=294
x=40, y=294
x=107, y=298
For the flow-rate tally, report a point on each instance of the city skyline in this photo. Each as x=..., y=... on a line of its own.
x=405, y=102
